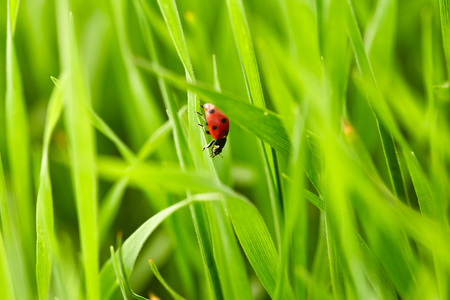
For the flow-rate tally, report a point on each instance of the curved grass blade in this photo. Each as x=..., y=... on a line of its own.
x=44, y=207
x=163, y=282
x=270, y=126
x=133, y=245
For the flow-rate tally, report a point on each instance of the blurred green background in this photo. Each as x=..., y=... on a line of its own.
x=358, y=86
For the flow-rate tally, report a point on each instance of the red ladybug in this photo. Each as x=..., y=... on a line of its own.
x=218, y=126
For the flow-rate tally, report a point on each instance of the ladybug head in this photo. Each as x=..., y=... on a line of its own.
x=207, y=106
x=218, y=146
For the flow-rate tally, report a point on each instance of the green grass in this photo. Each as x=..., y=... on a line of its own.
x=333, y=183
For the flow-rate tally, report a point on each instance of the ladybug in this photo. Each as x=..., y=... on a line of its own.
x=218, y=126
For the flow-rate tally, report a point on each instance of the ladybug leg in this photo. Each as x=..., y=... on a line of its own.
x=202, y=117
x=203, y=126
x=209, y=145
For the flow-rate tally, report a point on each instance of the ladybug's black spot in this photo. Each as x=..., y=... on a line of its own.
x=214, y=127
x=211, y=111
x=224, y=120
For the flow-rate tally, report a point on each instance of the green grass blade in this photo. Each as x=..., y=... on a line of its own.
x=81, y=149
x=163, y=282
x=119, y=276
x=133, y=245
x=270, y=129
x=144, y=106
x=44, y=206
x=7, y=289
x=444, y=10
x=392, y=159
x=18, y=145
x=247, y=56
x=101, y=126
x=179, y=138
x=429, y=205
x=382, y=112
x=109, y=207
x=246, y=53
x=258, y=246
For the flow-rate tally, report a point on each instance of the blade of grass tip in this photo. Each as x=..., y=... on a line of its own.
x=82, y=151
x=444, y=10
x=247, y=56
x=163, y=282
x=44, y=206
x=270, y=125
x=7, y=289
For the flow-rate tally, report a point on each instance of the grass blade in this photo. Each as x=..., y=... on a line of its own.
x=444, y=10
x=44, y=206
x=270, y=129
x=247, y=56
x=6, y=290
x=163, y=282
x=18, y=145
x=81, y=146
x=133, y=245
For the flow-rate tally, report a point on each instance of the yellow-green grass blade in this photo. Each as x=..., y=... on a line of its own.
x=46, y=239
x=7, y=289
x=444, y=10
x=13, y=11
x=270, y=125
x=82, y=152
x=158, y=275
x=18, y=146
